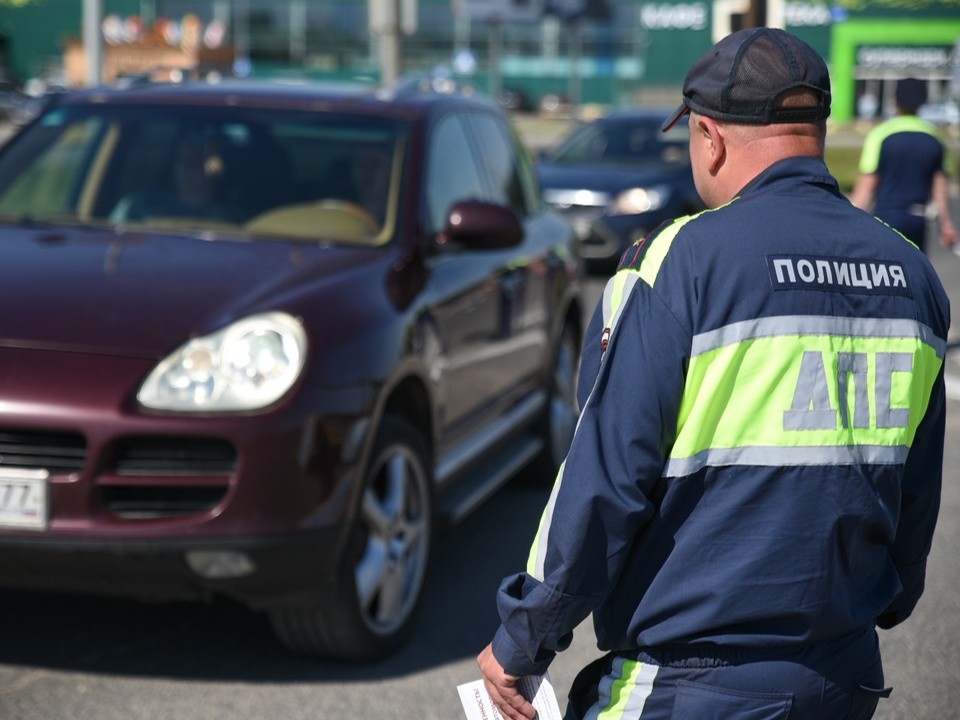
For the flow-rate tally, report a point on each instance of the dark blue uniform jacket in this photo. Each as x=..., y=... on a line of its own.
x=758, y=457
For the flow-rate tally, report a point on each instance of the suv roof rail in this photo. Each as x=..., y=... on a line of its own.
x=439, y=82
x=167, y=75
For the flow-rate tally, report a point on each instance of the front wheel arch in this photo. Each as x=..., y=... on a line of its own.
x=369, y=609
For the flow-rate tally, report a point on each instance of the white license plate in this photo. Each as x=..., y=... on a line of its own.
x=23, y=498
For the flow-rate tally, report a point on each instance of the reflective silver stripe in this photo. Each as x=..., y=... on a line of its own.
x=791, y=325
x=537, y=572
x=642, y=689
x=636, y=678
x=607, y=302
x=605, y=689
x=787, y=456
x=615, y=295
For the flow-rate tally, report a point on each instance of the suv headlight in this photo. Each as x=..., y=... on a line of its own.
x=246, y=366
x=639, y=200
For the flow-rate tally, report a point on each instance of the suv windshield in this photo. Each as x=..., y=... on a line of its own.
x=275, y=173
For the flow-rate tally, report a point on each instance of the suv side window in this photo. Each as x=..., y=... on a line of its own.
x=452, y=172
x=507, y=164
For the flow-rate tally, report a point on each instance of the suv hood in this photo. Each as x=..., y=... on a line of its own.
x=608, y=178
x=143, y=295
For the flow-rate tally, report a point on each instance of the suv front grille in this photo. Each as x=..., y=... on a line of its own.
x=135, y=502
x=55, y=452
x=159, y=477
x=175, y=456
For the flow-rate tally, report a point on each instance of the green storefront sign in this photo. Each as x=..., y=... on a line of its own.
x=673, y=35
x=889, y=46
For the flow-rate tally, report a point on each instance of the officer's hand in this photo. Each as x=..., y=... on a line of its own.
x=503, y=688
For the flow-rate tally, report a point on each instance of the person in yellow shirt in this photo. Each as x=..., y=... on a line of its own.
x=902, y=169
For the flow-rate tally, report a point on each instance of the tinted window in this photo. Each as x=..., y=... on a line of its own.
x=291, y=174
x=501, y=157
x=620, y=140
x=452, y=173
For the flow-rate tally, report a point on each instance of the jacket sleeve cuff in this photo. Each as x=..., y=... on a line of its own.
x=527, y=614
x=536, y=623
x=514, y=660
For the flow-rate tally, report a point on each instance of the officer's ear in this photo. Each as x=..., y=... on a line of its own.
x=713, y=142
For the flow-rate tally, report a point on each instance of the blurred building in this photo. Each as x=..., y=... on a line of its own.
x=618, y=52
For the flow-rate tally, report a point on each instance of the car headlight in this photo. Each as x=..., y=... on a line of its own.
x=639, y=200
x=246, y=366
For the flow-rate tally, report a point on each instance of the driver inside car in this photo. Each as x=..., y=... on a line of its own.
x=370, y=178
x=197, y=187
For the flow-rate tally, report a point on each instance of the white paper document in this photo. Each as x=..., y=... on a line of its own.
x=537, y=689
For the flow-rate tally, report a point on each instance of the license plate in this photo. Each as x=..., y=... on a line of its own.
x=23, y=498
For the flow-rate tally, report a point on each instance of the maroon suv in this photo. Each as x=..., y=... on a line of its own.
x=261, y=339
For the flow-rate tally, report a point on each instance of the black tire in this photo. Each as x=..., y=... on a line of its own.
x=559, y=420
x=370, y=611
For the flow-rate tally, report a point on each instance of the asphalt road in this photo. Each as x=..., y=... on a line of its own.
x=71, y=657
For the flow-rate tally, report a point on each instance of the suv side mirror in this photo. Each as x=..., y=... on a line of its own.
x=479, y=225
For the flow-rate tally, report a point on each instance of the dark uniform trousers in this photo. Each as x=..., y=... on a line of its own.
x=836, y=680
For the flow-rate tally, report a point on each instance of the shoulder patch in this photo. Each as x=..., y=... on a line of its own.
x=646, y=256
x=633, y=255
x=837, y=274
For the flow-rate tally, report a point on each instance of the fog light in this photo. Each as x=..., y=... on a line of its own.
x=219, y=564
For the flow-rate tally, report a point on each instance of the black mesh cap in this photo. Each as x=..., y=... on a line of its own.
x=740, y=78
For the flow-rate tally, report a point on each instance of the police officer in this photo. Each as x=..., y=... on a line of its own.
x=902, y=169
x=755, y=477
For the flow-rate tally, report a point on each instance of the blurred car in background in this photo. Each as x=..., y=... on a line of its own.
x=616, y=179
x=514, y=100
x=945, y=113
x=554, y=104
x=17, y=107
x=266, y=339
